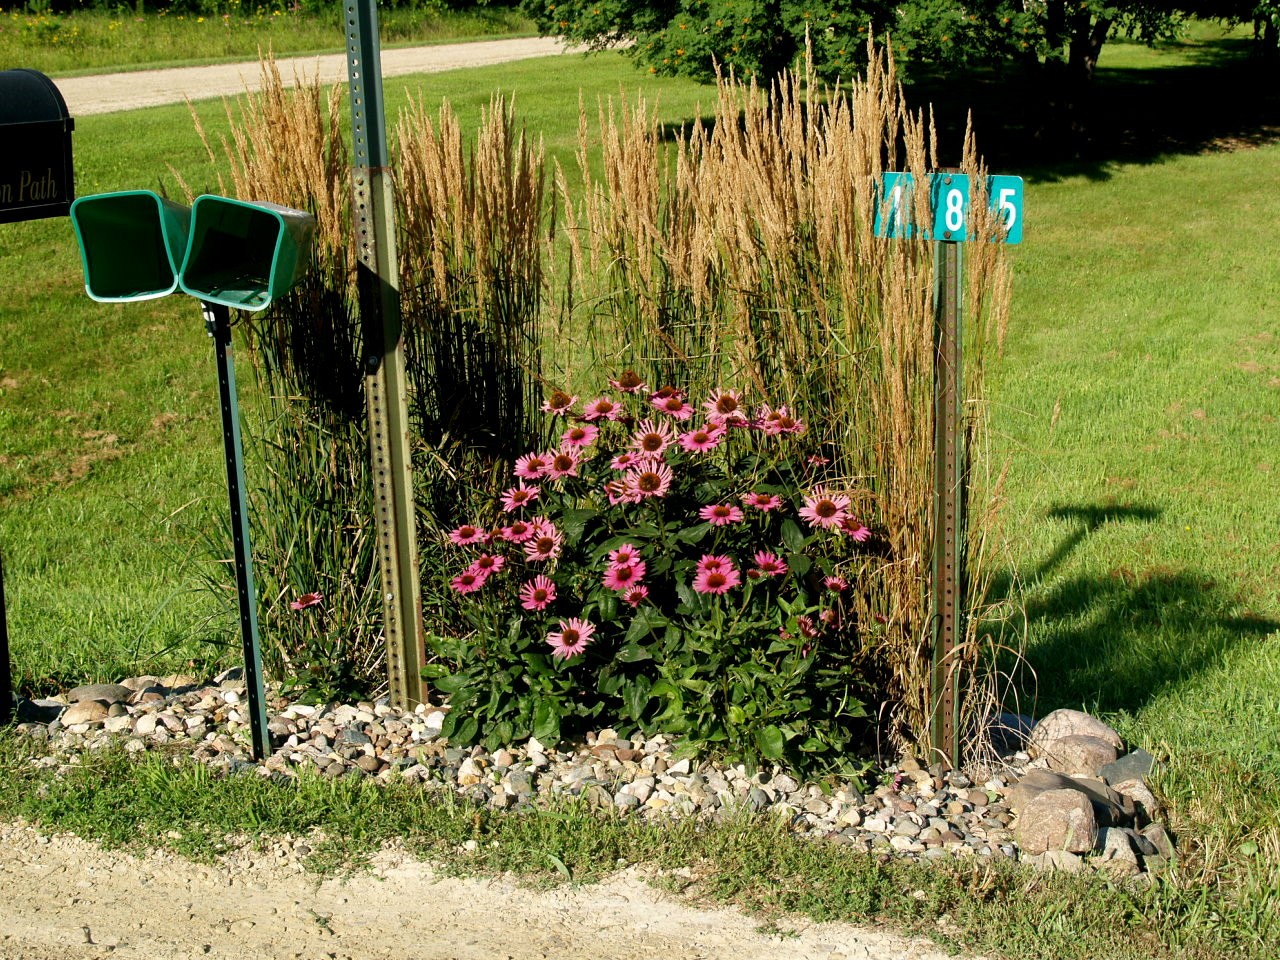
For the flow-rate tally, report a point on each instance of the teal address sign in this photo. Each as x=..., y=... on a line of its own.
x=949, y=200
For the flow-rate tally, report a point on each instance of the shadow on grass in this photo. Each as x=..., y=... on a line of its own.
x=1223, y=99
x=1114, y=641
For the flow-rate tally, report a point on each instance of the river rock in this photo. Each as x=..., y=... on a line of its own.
x=1132, y=766
x=1067, y=723
x=1057, y=820
x=107, y=693
x=1117, y=855
x=1158, y=837
x=1078, y=754
x=1145, y=802
x=85, y=711
x=1110, y=808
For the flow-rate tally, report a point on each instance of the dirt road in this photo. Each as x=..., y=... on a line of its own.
x=150, y=88
x=62, y=898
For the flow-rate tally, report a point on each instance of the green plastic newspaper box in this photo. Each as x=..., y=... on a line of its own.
x=244, y=254
x=131, y=243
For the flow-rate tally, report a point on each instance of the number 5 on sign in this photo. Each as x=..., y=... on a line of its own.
x=1006, y=201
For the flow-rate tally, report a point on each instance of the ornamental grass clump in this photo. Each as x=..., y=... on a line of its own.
x=741, y=250
x=663, y=563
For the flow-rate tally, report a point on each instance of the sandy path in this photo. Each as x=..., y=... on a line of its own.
x=68, y=899
x=150, y=88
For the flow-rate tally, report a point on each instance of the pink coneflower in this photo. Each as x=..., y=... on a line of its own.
x=725, y=407
x=537, y=594
x=486, y=564
x=623, y=555
x=720, y=514
x=544, y=544
x=627, y=460
x=467, y=534
x=830, y=619
x=532, y=466
x=628, y=382
x=623, y=576
x=805, y=624
x=581, y=435
x=636, y=595
x=571, y=639
x=774, y=422
x=602, y=407
x=702, y=439
x=717, y=581
x=616, y=491
x=468, y=581
x=712, y=562
x=855, y=529
x=564, y=463
x=307, y=600
x=836, y=584
x=654, y=481
x=519, y=496
x=518, y=532
x=559, y=402
x=652, y=439
x=671, y=401
x=762, y=501
x=817, y=461
x=826, y=510
x=767, y=565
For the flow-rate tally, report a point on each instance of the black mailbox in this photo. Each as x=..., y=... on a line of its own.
x=36, y=176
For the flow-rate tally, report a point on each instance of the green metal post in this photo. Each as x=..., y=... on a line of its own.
x=385, y=382
x=217, y=320
x=6, y=676
x=948, y=502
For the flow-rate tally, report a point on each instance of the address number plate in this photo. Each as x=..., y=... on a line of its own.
x=949, y=201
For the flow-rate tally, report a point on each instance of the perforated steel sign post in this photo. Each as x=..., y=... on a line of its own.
x=379, y=280
x=948, y=226
x=226, y=253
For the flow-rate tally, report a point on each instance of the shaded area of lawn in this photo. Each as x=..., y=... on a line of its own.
x=1209, y=94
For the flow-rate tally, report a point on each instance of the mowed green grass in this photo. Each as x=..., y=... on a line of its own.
x=1138, y=400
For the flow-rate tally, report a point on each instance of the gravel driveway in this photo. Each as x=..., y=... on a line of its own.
x=151, y=88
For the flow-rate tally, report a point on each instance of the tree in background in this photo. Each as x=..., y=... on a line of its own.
x=753, y=38
x=1060, y=38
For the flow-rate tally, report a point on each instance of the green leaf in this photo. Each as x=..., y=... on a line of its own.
x=633, y=653
x=771, y=742
x=814, y=745
x=693, y=534
x=574, y=524
x=799, y=564
x=466, y=731
x=792, y=536
x=637, y=697
x=686, y=593
x=560, y=866
x=546, y=721
x=452, y=683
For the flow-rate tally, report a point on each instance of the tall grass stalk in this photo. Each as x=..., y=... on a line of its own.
x=471, y=235
x=749, y=258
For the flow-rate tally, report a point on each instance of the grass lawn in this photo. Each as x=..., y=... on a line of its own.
x=100, y=41
x=1137, y=400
